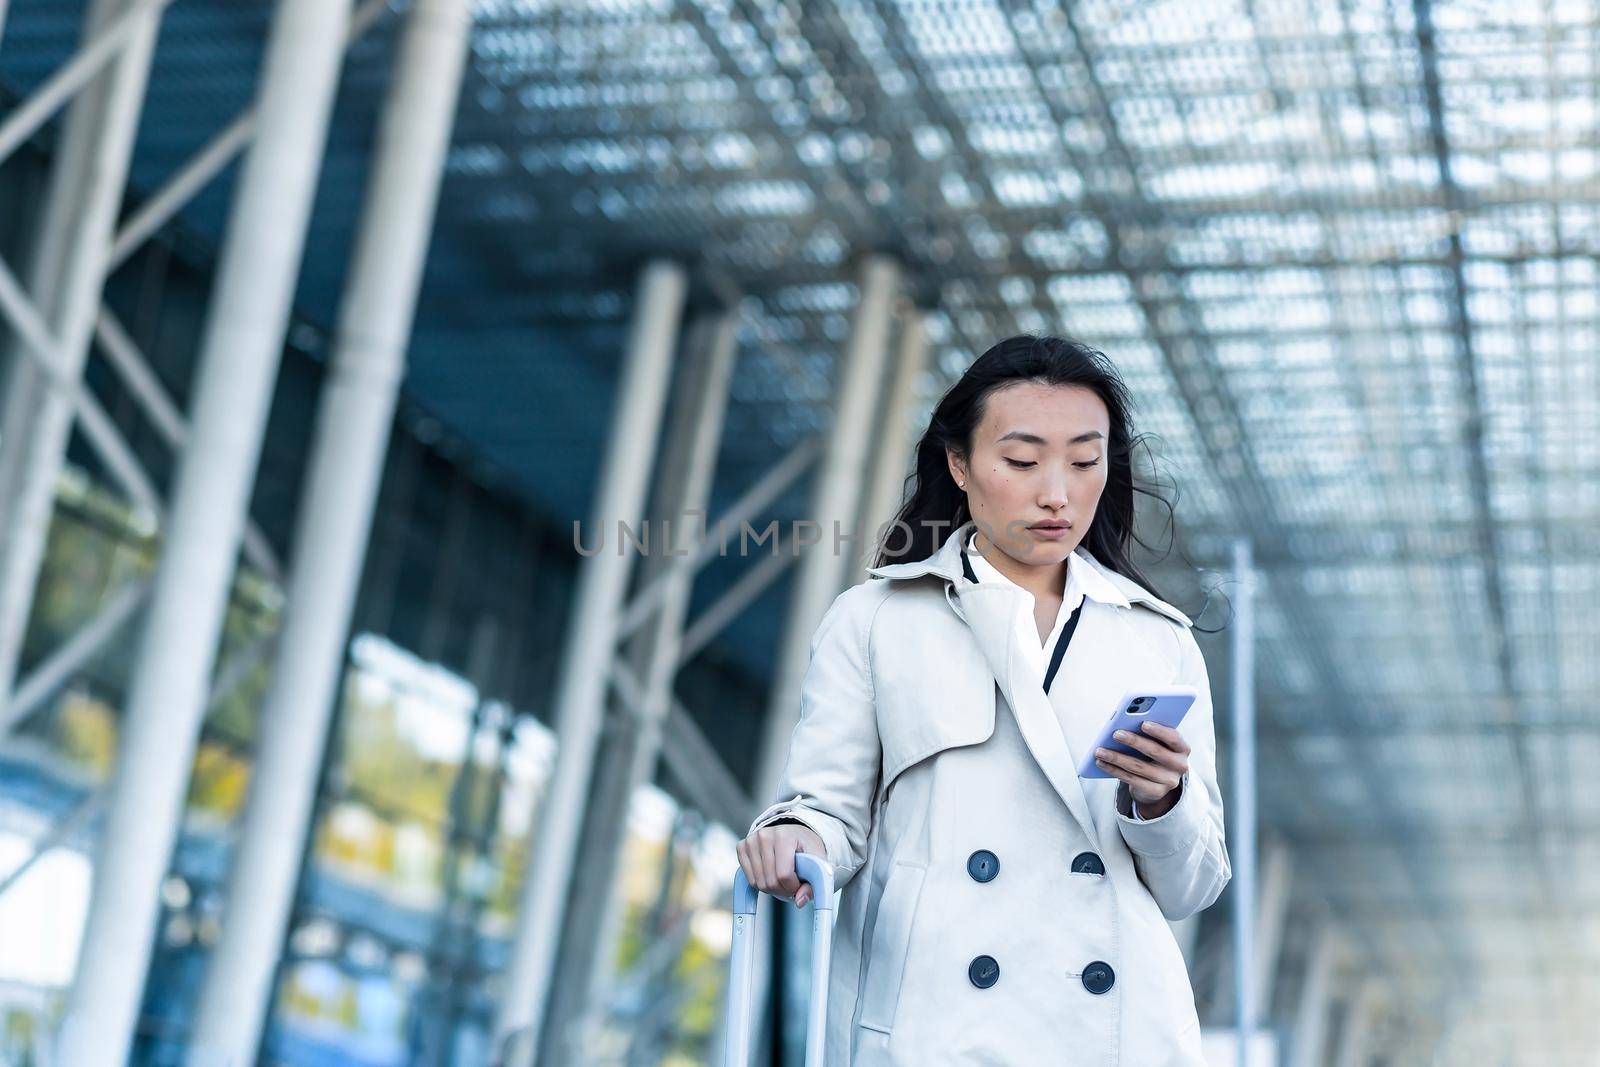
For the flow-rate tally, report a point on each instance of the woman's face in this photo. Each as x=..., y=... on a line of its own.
x=1038, y=456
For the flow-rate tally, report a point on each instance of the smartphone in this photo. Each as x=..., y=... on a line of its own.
x=1165, y=704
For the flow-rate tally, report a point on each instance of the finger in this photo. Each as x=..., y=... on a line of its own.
x=785, y=869
x=1150, y=768
x=1139, y=787
x=1154, y=749
x=1167, y=735
x=1122, y=759
x=802, y=894
x=1148, y=745
x=769, y=864
x=1146, y=772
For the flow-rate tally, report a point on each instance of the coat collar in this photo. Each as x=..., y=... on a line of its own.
x=1099, y=582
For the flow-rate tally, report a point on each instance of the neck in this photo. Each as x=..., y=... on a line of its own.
x=1042, y=580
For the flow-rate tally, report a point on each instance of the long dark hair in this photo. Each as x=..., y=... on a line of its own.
x=936, y=506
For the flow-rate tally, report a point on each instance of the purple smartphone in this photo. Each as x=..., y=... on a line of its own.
x=1165, y=704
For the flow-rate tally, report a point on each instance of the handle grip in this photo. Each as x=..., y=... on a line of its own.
x=741, y=960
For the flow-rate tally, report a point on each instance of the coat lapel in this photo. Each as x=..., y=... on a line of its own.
x=990, y=611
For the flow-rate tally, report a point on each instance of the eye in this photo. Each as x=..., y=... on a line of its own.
x=1086, y=465
x=1019, y=464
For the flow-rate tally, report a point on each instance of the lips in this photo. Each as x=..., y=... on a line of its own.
x=1049, y=526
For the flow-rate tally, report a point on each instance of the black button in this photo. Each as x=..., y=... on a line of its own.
x=984, y=971
x=1087, y=863
x=983, y=865
x=1098, y=977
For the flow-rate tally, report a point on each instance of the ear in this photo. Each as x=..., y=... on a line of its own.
x=958, y=469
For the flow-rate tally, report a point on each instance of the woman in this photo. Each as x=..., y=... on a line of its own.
x=995, y=907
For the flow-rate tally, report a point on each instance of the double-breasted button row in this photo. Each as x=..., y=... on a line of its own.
x=1098, y=977
x=983, y=865
x=984, y=971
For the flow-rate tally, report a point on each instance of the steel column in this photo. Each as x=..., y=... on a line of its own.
x=886, y=491
x=836, y=497
x=1310, y=1034
x=237, y=365
x=1272, y=914
x=1242, y=843
x=580, y=696
x=595, y=904
x=1355, y=1033
x=335, y=521
x=89, y=174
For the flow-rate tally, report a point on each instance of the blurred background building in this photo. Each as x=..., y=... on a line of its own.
x=323, y=324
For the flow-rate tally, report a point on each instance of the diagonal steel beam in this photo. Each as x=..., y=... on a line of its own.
x=170, y=424
x=74, y=75
x=233, y=673
x=643, y=605
x=206, y=164
x=65, y=286
x=56, y=836
x=72, y=654
x=38, y=341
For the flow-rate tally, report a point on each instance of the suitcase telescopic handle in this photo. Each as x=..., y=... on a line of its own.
x=741, y=961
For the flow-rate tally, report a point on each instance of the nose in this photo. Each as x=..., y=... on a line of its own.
x=1053, y=493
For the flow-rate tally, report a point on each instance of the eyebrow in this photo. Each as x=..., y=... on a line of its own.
x=1034, y=439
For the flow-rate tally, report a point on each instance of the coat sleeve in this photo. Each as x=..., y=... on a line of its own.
x=1182, y=856
x=830, y=775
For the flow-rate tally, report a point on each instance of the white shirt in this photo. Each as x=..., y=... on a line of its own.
x=1081, y=577
x=1027, y=629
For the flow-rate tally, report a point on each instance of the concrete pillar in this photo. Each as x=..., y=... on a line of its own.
x=238, y=362
x=595, y=907
x=334, y=525
x=88, y=177
x=1242, y=837
x=1310, y=1035
x=886, y=490
x=587, y=653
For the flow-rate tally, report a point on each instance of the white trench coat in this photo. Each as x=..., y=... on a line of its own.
x=995, y=908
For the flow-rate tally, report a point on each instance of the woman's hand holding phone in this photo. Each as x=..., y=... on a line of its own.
x=767, y=857
x=1153, y=777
